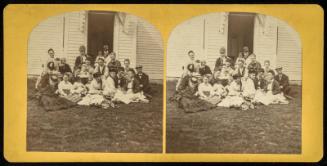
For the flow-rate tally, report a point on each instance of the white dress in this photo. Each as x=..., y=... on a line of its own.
x=268, y=97
x=234, y=97
x=249, y=90
x=94, y=96
x=129, y=96
x=65, y=88
x=109, y=88
x=79, y=88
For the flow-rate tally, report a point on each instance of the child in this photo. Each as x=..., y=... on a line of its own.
x=205, y=90
x=110, y=83
x=65, y=87
x=249, y=86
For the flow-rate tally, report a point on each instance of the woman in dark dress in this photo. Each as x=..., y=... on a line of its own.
x=47, y=95
x=186, y=96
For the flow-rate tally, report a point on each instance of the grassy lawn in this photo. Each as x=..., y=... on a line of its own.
x=267, y=129
x=136, y=127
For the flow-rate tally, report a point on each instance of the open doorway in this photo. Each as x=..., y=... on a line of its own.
x=100, y=31
x=240, y=33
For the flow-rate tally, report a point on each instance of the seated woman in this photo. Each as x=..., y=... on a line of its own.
x=131, y=92
x=50, y=70
x=95, y=94
x=79, y=88
x=99, y=56
x=272, y=94
x=234, y=97
x=48, y=99
x=65, y=89
x=185, y=95
x=206, y=91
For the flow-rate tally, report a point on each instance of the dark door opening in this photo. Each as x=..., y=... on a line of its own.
x=240, y=33
x=100, y=31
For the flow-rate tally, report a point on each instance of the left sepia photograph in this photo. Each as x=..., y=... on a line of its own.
x=95, y=84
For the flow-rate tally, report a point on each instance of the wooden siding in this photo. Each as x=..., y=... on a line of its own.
x=149, y=49
x=289, y=52
x=74, y=35
x=125, y=39
x=202, y=35
x=265, y=40
x=47, y=34
x=186, y=36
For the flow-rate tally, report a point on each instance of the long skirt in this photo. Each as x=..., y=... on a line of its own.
x=129, y=97
x=269, y=98
x=231, y=101
x=53, y=102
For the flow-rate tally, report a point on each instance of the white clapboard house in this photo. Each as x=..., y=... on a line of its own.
x=129, y=36
x=269, y=38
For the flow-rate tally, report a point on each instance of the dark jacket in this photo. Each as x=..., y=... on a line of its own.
x=144, y=81
x=79, y=61
x=219, y=62
x=65, y=68
x=283, y=81
x=275, y=87
x=205, y=70
x=135, y=87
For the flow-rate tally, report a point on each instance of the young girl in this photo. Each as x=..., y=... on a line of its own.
x=65, y=87
x=109, y=83
x=249, y=86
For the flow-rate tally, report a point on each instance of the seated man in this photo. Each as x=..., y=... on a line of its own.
x=143, y=79
x=254, y=65
x=222, y=59
x=204, y=69
x=283, y=81
x=101, y=68
x=64, y=67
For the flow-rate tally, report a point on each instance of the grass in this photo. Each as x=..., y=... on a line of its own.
x=267, y=129
x=133, y=128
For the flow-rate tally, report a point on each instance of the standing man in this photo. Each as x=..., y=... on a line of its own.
x=222, y=59
x=143, y=79
x=81, y=58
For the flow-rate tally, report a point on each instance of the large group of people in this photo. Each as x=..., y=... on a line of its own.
x=99, y=81
x=240, y=83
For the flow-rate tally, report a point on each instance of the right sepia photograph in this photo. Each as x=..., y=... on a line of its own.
x=234, y=85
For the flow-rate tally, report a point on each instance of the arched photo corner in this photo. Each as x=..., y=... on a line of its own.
x=95, y=84
x=234, y=85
